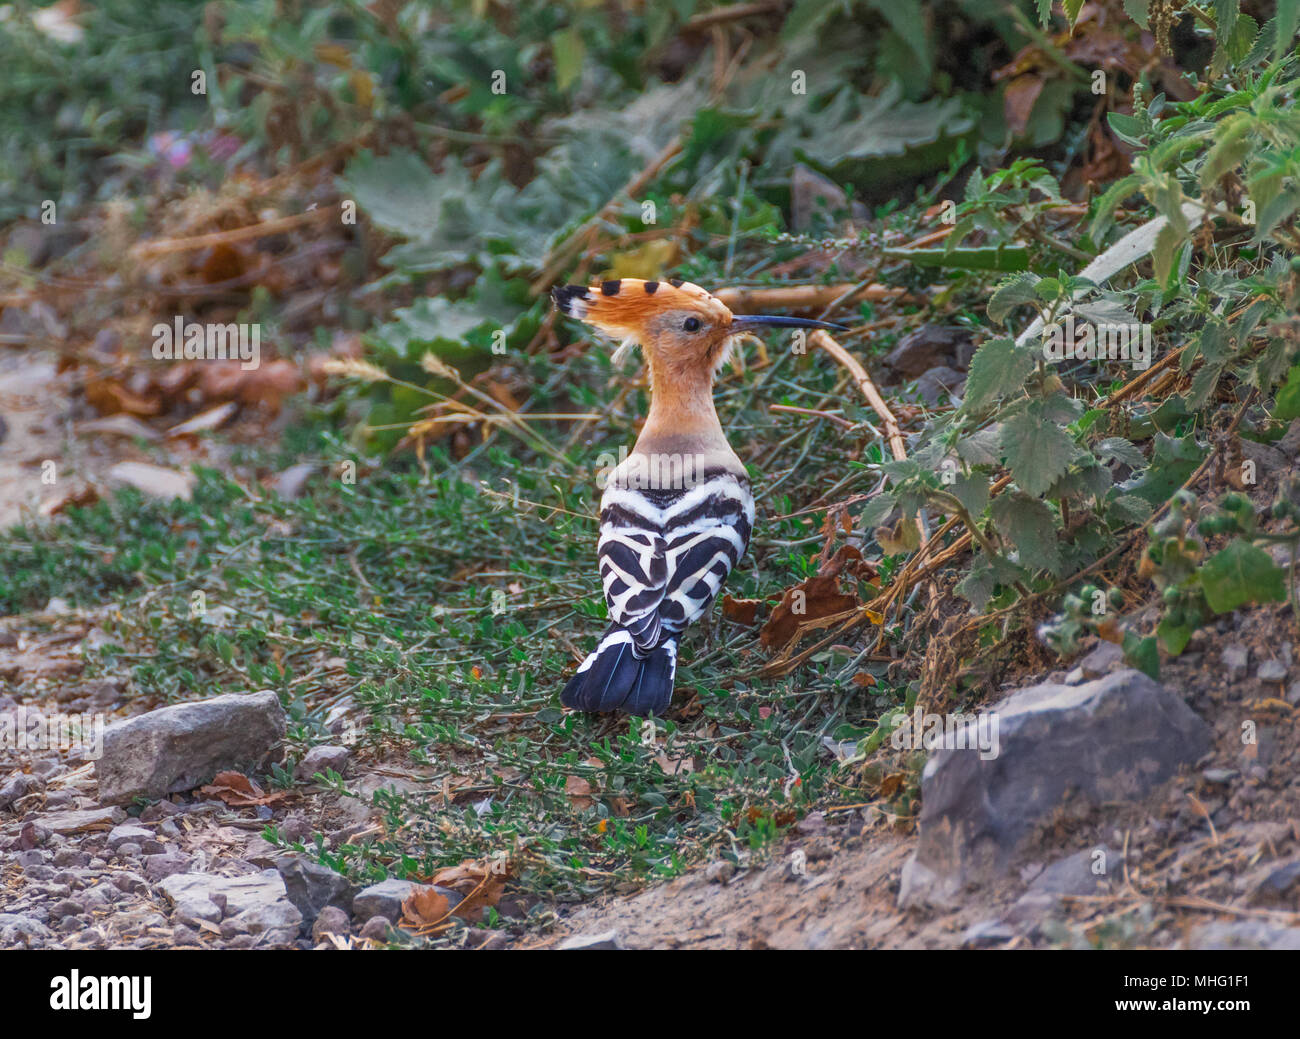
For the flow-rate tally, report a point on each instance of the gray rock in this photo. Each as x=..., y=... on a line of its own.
x=1077, y=874
x=1112, y=739
x=1244, y=934
x=273, y=923
x=987, y=932
x=1102, y=659
x=33, y=857
x=311, y=887
x=331, y=920
x=811, y=194
x=322, y=759
x=1271, y=671
x=383, y=899
x=1289, y=445
x=604, y=940
x=1279, y=885
x=197, y=895
x=66, y=907
x=128, y=833
x=22, y=930
x=376, y=929
x=17, y=787
x=194, y=912
x=930, y=346
x=937, y=384
x=1268, y=460
x=183, y=746
x=1235, y=658
x=168, y=864
x=487, y=938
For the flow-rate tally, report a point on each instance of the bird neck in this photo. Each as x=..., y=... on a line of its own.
x=681, y=406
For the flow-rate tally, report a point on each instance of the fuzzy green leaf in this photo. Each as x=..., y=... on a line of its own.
x=1238, y=574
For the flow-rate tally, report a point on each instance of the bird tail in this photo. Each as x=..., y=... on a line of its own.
x=615, y=678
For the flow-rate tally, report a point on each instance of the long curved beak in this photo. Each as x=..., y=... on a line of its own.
x=744, y=322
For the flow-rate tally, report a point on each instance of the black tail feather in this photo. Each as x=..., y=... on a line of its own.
x=613, y=678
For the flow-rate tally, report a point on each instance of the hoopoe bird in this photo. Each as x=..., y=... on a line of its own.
x=677, y=512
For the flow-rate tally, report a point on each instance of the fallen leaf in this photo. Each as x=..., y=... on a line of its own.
x=424, y=907
x=153, y=480
x=814, y=599
x=213, y=418
x=237, y=790
x=73, y=499
x=121, y=424
x=742, y=611
x=579, y=791
x=480, y=885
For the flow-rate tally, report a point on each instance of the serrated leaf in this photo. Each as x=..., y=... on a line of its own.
x=1128, y=509
x=1225, y=18
x=972, y=490
x=1013, y=293
x=1288, y=397
x=1204, y=383
x=1173, y=460
x=998, y=369
x=1279, y=208
x=978, y=584
x=1029, y=527
x=1121, y=450
x=1238, y=574
x=1288, y=20
x=874, y=512
x=981, y=447
x=1037, y=450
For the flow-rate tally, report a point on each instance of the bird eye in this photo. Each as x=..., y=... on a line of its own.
x=692, y=324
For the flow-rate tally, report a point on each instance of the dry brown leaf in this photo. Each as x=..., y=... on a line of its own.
x=579, y=791
x=424, y=907
x=110, y=397
x=480, y=885
x=1018, y=100
x=74, y=499
x=213, y=418
x=812, y=600
x=237, y=790
x=742, y=611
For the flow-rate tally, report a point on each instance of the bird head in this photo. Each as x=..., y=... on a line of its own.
x=681, y=327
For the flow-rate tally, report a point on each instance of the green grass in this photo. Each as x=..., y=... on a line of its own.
x=456, y=616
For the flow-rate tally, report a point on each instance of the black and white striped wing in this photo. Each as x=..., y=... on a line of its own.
x=633, y=567
x=706, y=533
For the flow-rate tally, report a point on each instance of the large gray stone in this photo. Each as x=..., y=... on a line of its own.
x=311, y=887
x=181, y=747
x=1113, y=739
x=257, y=903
